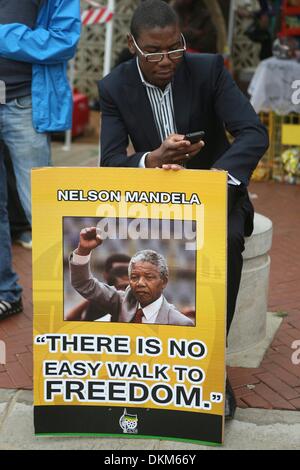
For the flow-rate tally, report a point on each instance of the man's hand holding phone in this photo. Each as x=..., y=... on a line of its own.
x=175, y=150
x=195, y=137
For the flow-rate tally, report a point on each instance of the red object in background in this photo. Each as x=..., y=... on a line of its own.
x=96, y=16
x=228, y=63
x=288, y=10
x=192, y=51
x=81, y=113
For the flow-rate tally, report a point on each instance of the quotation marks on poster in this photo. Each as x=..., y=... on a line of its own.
x=216, y=397
x=40, y=340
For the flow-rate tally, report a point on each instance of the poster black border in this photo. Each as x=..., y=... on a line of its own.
x=153, y=423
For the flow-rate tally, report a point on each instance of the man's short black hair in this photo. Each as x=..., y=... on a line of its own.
x=152, y=14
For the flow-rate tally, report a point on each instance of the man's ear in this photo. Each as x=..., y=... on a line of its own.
x=130, y=44
x=165, y=282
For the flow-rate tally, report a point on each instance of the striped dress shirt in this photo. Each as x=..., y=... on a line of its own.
x=164, y=117
x=162, y=107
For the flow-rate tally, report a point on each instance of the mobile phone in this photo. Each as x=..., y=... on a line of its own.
x=195, y=137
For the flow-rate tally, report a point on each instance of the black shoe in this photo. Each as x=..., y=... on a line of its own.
x=10, y=308
x=230, y=402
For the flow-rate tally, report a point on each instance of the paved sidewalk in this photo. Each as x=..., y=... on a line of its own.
x=251, y=429
x=276, y=383
x=16, y=331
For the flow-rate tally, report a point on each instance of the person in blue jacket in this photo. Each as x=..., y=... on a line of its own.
x=37, y=38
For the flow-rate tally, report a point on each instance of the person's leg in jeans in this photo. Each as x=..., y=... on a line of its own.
x=28, y=149
x=10, y=291
x=17, y=219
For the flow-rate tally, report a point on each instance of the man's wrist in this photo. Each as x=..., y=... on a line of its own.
x=83, y=251
x=152, y=160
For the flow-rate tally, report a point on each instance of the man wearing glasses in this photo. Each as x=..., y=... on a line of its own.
x=162, y=94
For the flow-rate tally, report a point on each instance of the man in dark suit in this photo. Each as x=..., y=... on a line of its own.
x=164, y=93
x=142, y=301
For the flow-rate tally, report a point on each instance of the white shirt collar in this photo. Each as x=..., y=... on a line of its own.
x=147, y=84
x=151, y=311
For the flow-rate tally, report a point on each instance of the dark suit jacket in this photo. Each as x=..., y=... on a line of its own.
x=205, y=98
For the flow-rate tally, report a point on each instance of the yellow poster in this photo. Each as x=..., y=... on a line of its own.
x=129, y=279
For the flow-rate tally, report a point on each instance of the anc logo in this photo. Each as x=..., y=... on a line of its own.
x=128, y=423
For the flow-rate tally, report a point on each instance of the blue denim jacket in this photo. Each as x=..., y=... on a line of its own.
x=48, y=47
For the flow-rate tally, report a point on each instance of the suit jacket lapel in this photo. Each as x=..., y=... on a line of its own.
x=139, y=104
x=182, y=98
x=162, y=317
x=128, y=306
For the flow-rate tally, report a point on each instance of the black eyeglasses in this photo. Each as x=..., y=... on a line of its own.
x=158, y=56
